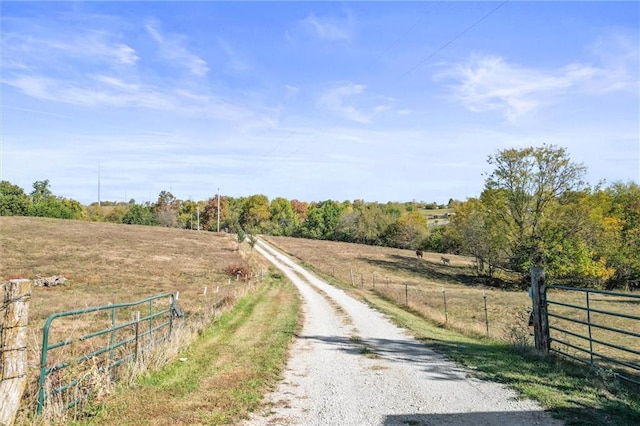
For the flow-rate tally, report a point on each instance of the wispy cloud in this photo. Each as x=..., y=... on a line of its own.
x=619, y=56
x=350, y=101
x=489, y=82
x=22, y=48
x=234, y=60
x=291, y=91
x=173, y=47
x=329, y=28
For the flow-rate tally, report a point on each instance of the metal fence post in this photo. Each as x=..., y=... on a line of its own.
x=589, y=326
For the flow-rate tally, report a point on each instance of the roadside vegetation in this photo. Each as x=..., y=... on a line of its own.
x=220, y=377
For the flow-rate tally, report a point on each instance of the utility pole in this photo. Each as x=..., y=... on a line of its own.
x=218, y=209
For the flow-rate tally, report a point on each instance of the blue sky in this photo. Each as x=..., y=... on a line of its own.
x=381, y=101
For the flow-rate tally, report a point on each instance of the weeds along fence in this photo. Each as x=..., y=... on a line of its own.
x=100, y=339
x=85, y=351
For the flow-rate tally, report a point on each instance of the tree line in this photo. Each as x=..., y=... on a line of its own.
x=535, y=210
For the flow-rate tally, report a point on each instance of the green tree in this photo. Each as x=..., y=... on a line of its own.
x=45, y=204
x=137, y=214
x=167, y=209
x=528, y=182
x=13, y=200
x=322, y=220
x=625, y=206
x=254, y=213
x=209, y=215
x=364, y=223
x=408, y=232
x=41, y=191
x=283, y=219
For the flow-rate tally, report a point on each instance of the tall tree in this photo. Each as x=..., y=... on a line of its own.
x=529, y=181
x=283, y=219
x=254, y=213
x=166, y=209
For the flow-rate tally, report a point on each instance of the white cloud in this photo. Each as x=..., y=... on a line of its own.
x=337, y=98
x=619, y=54
x=490, y=83
x=291, y=91
x=351, y=101
x=96, y=46
x=173, y=47
x=331, y=29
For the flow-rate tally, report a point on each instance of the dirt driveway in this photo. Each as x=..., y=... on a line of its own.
x=352, y=366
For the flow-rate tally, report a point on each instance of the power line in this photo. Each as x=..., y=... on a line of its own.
x=445, y=45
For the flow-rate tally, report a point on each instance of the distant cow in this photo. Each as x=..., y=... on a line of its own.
x=419, y=254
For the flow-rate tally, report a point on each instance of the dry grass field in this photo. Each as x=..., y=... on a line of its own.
x=425, y=285
x=110, y=264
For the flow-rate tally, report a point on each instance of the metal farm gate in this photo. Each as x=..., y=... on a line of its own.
x=90, y=344
x=600, y=328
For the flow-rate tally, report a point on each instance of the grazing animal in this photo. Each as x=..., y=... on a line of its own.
x=419, y=254
x=445, y=260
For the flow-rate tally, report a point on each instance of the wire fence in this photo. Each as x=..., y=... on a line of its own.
x=474, y=310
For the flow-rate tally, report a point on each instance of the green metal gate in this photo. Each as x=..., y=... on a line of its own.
x=97, y=340
x=583, y=326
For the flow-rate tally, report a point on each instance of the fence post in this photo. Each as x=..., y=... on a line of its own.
x=406, y=294
x=486, y=316
x=13, y=352
x=136, y=317
x=540, y=320
x=444, y=299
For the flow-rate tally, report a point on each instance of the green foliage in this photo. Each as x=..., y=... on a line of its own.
x=139, y=215
x=322, y=220
x=166, y=209
x=13, y=200
x=283, y=219
x=254, y=212
x=408, y=232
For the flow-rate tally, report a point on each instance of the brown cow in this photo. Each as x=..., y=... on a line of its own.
x=419, y=254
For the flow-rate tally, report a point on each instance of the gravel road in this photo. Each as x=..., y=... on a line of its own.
x=352, y=366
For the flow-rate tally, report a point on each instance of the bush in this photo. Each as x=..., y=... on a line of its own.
x=239, y=271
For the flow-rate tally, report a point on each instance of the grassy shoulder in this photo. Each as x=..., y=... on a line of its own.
x=572, y=392
x=224, y=373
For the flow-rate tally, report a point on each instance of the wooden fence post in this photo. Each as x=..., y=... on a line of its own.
x=540, y=320
x=13, y=343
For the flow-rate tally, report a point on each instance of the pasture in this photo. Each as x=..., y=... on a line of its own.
x=106, y=263
x=450, y=293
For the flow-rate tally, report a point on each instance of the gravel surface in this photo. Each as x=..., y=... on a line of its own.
x=352, y=366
